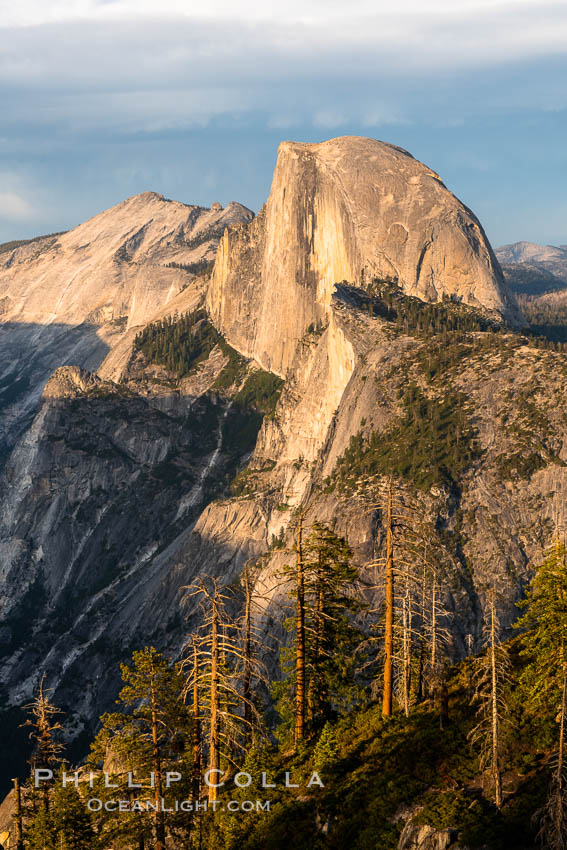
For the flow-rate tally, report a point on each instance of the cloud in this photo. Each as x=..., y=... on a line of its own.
x=378, y=117
x=136, y=51
x=15, y=208
x=329, y=118
x=136, y=73
x=283, y=121
x=103, y=98
x=32, y=12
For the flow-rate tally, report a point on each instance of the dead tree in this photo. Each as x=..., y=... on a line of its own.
x=214, y=669
x=492, y=674
x=300, y=635
x=389, y=616
x=196, y=723
x=18, y=820
x=413, y=613
x=45, y=732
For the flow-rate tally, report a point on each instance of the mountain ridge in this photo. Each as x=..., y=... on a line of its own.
x=76, y=295
x=347, y=209
x=133, y=479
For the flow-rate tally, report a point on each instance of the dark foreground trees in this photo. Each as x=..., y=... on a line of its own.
x=545, y=677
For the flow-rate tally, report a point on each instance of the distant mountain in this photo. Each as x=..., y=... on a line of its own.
x=375, y=299
x=531, y=252
x=71, y=298
x=537, y=274
x=532, y=269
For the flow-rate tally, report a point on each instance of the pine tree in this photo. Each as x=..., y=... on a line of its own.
x=545, y=675
x=411, y=633
x=319, y=667
x=41, y=833
x=71, y=819
x=300, y=664
x=332, y=640
x=34, y=816
x=214, y=679
x=492, y=673
x=145, y=739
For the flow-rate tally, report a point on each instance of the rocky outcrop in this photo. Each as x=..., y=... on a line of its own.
x=426, y=837
x=72, y=298
x=109, y=500
x=120, y=265
x=347, y=209
x=98, y=536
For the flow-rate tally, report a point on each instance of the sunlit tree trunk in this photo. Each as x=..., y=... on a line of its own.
x=433, y=659
x=247, y=653
x=214, y=738
x=196, y=725
x=300, y=637
x=406, y=650
x=495, y=720
x=316, y=682
x=389, y=623
x=422, y=640
x=18, y=814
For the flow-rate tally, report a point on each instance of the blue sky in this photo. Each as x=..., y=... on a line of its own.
x=102, y=100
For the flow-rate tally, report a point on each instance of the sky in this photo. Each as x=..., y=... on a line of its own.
x=102, y=99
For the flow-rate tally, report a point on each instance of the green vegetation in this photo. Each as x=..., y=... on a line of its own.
x=6, y=247
x=353, y=775
x=260, y=392
x=384, y=299
x=440, y=354
x=455, y=321
x=519, y=464
x=548, y=320
x=200, y=267
x=234, y=371
x=178, y=343
x=432, y=442
x=241, y=431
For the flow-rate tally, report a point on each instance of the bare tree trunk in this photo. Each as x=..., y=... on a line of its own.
x=18, y=814
x=159, y=815
x=300, y=638
x=389, y=624
x=495, y=724
x=422, y=640
x=433, y=659
x=406, y=649
x=214, y=739
x=247, y=676
x=196, y=726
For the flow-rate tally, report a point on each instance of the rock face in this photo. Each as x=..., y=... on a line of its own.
x=425, y=837
x=71, y=298
x=101, y=526
x=347, y=209
x=109, y=501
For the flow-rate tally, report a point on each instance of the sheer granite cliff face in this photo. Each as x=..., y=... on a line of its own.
x=347, y=209
x=104, y=511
